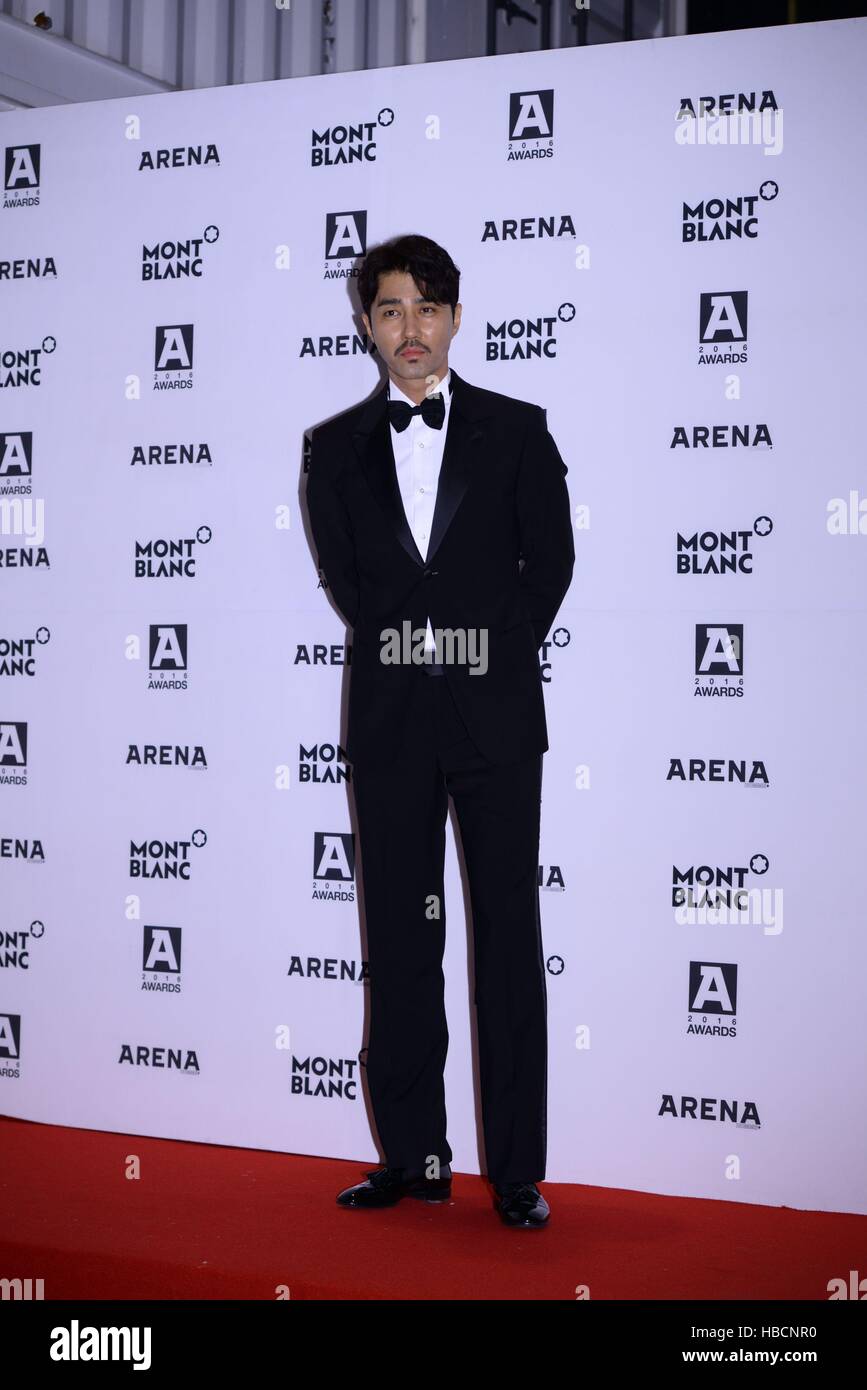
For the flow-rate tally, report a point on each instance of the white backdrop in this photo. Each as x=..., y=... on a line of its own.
x=715, y=1058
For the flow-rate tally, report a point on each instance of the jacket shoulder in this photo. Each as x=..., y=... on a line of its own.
x=341, y=424
x=510, y=407
x=330, y=439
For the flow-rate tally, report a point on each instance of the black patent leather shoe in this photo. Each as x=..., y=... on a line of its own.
x=522, y=1204
x=386, y=1186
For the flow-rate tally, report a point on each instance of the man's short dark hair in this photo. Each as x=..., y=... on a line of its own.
x=430, y=266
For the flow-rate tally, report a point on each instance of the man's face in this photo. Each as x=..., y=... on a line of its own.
x=400, y=319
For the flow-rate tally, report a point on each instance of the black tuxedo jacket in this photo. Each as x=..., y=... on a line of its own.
x=502, y=499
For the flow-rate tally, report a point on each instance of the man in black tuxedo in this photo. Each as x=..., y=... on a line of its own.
x=441, y=518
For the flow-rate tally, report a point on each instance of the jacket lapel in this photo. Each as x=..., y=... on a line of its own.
x=372, y=440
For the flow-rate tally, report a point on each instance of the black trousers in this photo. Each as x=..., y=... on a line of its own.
x=401, y=811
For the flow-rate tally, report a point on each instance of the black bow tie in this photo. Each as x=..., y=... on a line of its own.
x=432, y=410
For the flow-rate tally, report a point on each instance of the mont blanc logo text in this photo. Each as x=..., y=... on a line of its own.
x=354, y=143
x=21, y=176
x=161, y=960
x=169, y=557
x=515, y=339
x=722, y=329
x=720, y=552
x=22, y=366
x=531, y=125
x=713, y=998
x=173, y=357
x=558, y=638
x=559, y=224
x=13, y=753
x=334, y=866
x=715, y=885
x=735, y=1112
x=29, y=268
x=167, y=656
x=719, y=660
x=15, y=946
x=721, y=437
x=166, y=1058
x=177, y=258
x=18, y=654
x=171, y=456
x=749, y=772
x=345, y=240
x=180, y=157
x=718, y=895
x=328, y=1078
x=10, y=1044
x=167, y=755
x=322, y=762
x=164, y=859
x=726, y=219
x=16, y=464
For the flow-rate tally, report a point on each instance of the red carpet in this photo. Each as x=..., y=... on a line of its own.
x=207, y=1222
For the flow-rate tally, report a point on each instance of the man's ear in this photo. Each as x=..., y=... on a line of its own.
x=457, y=319
x=366, y=321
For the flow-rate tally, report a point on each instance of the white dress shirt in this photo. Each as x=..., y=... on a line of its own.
x=418, y=456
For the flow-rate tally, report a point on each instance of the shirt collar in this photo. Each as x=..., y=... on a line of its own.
x=395, y=393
